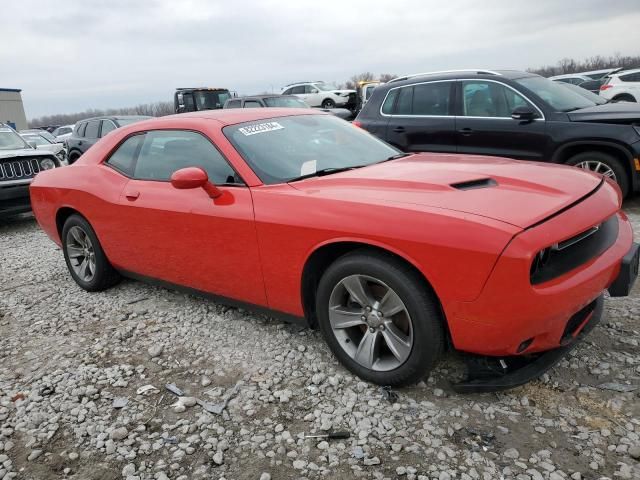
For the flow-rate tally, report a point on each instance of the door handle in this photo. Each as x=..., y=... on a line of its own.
x=398, y=129
x=466, y=131
x=132, y=195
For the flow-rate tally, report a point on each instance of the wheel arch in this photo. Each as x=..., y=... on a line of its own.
x=624, y=95
x=63, y=214
x=570, y=149
x=325, y=254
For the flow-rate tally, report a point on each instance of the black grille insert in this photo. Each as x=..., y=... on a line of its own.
x=575, y=251
x=20, y=168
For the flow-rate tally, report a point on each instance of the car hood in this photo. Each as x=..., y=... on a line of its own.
x=618, y=112
x=23, y=152
x=518, y=193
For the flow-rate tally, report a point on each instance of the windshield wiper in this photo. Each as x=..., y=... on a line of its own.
x=395, y=157
x=324, y=171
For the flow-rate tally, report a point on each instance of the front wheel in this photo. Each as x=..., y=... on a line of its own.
x=328, y=103
x=379, y=318
x=604, y=164
x=84, y=256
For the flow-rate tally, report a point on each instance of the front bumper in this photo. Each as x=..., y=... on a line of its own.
x=512, y=317
x=491, y=375
x=14, y=199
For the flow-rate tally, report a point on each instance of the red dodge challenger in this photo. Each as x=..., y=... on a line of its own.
x=394, y=256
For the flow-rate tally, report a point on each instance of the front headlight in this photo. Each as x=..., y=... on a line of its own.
x=47, y=164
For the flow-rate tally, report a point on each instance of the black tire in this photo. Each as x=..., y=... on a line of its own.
x=73, y=156
x=105, y=275
x=622, y=178
x=624, y=98
x=328, y=103
x=420, y=302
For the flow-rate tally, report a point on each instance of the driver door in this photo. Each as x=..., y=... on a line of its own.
x=485, y=127
x=183, y=236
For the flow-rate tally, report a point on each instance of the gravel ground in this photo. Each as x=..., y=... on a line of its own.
x=67, y=357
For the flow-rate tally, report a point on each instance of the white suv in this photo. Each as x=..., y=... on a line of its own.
x=318, y=94
x=622, y=86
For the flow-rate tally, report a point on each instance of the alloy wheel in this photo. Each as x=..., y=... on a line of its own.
x=81, y=253
x=598, y=167
x=370, y=322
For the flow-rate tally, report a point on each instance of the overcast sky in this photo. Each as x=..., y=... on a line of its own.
x=69, y=56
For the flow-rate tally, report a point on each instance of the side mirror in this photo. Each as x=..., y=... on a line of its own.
x=313, y=90
x=194, y=177
x=524, y=113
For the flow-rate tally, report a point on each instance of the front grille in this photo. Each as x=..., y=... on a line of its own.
x=564, y=256
x=19, y=169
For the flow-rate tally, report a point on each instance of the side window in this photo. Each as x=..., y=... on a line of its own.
x=297, y=90
x=490, y=99
x=287, y=91
x=405, y=99
x=431, y=98
x=387, y=106
x=123, y=159
x=233, y=104
x=165, y=151
x=189, y=102
x=252, y=104
x=310, y=89
x=631, y=77
x=91, y=130
x=107, y=126
x=80, y=129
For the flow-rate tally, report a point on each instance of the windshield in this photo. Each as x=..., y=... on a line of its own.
x=289, y=102
x=10, y=140
x=284, y=148
x=560, y=98
x=211, y=100
x=597, y=99
x=35, y=138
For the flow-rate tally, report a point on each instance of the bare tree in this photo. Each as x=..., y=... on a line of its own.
x=385, y=77
x=597, y=62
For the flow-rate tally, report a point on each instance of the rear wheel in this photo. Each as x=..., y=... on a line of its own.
x=604, y=164
x=623, y=98
x=73, y=156
x=84, y=256
x=328, y=103
x=379, y=318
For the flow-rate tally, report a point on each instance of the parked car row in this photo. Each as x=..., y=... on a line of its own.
x=508, y=114
x=19, y=164
x=613, y=84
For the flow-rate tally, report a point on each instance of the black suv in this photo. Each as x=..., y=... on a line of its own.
x=508, y=114
x=89, y=131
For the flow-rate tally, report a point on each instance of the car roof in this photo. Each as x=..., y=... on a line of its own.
x=624, y=72
x=233, y=116
x=111, y=117
x=262, y=97
x=570, y=75
x=456, y=74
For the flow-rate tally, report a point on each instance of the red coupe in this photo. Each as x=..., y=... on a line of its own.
x=394, y=256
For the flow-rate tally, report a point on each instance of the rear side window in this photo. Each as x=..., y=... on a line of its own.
x=431, y=98
x=631, y=77
x=123, y=159
x=233, y=104
x=107, y=126
x=165, y=151
x=405, y=100
x=80, y=129
x=288, y=91
x=297, y=90
x=91, y=130
x=252, y=104
x=387, y=106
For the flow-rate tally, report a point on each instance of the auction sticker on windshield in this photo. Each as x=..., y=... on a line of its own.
x=260, y=128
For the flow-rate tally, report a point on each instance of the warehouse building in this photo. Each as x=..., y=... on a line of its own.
x=11, y=108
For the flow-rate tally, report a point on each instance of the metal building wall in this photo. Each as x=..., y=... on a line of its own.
x=11, y=108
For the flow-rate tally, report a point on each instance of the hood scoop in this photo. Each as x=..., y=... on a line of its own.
x=475, y=184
